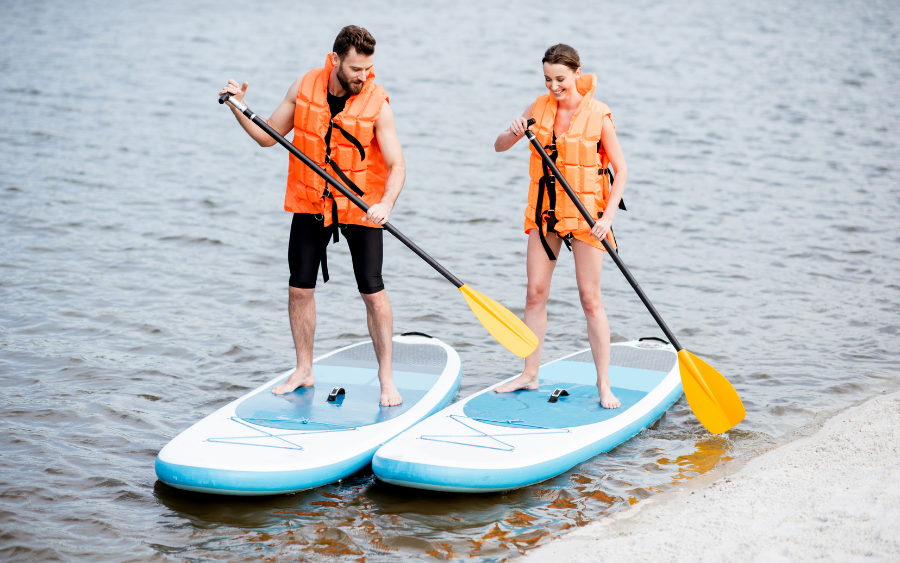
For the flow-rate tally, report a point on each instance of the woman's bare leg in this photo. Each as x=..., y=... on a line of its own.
x=588, y=267
x=540, y=269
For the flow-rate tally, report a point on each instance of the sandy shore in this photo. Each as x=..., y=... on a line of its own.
x=834, y=496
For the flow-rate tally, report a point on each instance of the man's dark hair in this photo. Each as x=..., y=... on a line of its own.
x=356, y=37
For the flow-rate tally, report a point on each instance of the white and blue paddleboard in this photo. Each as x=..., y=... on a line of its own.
x=501, y=441
x=265, y=444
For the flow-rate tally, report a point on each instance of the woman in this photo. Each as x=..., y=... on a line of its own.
x=579, y=135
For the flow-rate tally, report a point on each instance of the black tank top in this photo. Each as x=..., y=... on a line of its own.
x=336, y=104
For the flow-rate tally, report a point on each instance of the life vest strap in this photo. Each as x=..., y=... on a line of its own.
x=352, y=139
x=547, y=183
x=335, y=223
x=612, y=178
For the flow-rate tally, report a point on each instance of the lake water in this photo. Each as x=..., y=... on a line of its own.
x=143, y=246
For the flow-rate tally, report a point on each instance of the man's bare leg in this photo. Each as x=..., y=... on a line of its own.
x=588, y=267
x=540, y=271
x=381, y=327
x=302, y=313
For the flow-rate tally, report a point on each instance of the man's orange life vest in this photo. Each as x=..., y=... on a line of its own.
x=353, y=150
x=581, y=160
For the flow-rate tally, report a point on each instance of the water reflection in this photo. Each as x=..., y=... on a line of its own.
x=365, y=518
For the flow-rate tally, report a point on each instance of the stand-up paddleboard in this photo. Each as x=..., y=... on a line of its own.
x=500, y=441
x=265, y=444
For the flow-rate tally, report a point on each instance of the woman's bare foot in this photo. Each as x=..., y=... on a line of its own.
x=389, y=395
x=300, y=378
x=521, y=382
x=607, y=399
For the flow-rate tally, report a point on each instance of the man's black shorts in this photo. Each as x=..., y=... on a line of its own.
x=309, y=237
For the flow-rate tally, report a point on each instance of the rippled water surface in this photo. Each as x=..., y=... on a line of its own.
x=143, y=265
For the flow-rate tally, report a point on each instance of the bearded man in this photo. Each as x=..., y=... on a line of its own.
x=342, y=120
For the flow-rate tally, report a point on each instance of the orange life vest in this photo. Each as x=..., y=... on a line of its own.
x=353, y=149
x=581, y=160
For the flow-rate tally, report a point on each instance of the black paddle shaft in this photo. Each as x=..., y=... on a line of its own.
x=261, y=123
x=609, y=249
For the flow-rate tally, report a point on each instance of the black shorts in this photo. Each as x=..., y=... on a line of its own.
x=306, y=250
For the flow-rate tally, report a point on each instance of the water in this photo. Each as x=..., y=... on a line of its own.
x=143, y=258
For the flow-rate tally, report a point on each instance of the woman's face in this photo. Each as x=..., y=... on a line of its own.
x=560, y=80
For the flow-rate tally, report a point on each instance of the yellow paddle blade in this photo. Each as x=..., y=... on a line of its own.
x=503, y=325
x=713, y=400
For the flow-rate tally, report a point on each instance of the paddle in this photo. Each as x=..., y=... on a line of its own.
x=713, y=400
x=503, y=325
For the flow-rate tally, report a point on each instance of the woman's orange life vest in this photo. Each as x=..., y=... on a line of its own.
x=580, y=159
x=362, y=164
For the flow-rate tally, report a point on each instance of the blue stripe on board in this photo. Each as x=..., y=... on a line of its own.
x=232, y=482
x=442, y=478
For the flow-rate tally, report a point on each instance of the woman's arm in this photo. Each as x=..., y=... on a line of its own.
x=617, y=159
x=515, y=131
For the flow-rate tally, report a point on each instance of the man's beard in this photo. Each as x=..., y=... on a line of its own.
x=353, y=88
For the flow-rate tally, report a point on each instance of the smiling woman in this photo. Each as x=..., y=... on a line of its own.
x=579, y=134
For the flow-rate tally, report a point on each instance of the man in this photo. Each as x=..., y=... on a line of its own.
x=342, y=120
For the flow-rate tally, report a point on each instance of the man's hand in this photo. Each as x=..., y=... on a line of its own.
x=379, y=213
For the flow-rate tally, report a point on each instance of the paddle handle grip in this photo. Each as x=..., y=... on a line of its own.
x=609, y=249
x=261, y=123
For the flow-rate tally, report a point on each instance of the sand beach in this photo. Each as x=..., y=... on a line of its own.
x=834, y=496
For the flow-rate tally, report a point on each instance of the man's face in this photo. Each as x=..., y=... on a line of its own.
x=353, y=70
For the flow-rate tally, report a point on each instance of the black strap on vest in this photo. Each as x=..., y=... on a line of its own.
x=347, y=182
x=340, y=173
x=548, y=183
x=612, y=177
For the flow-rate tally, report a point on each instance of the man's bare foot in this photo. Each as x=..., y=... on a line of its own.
x=521, y=382
x=607, y=399
x=390, y=397
x=300, y=378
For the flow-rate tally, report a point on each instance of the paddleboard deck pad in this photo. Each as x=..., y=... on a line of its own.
x=264, y=444
x=502, y=441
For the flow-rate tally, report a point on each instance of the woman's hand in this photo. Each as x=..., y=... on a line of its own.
x=518, y=127
x=237, y=91
x=601, y=226
x=511, y=136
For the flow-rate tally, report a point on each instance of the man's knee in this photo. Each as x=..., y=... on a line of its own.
x=376, y=302
x=300, y=295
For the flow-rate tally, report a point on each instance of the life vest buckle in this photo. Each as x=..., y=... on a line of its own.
x=549, y=218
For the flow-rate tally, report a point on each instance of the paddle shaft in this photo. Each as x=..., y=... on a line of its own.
x=609, y=249
x=261, y=123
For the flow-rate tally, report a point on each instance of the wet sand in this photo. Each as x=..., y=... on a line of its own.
x=834, y=496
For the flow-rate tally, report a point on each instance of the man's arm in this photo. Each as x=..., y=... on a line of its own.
x=282, y=119
x=386, y=134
